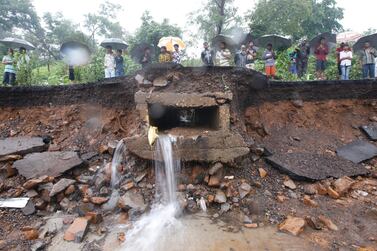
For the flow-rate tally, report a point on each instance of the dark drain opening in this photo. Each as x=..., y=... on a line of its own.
x=169, y=117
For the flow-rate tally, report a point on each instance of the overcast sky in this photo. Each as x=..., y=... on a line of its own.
x=359, y=15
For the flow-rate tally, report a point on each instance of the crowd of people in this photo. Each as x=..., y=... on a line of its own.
x=246, y=56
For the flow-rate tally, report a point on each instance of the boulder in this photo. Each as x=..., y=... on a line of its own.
x=48, y=163
x=132, y=200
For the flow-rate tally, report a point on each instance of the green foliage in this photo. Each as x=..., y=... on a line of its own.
x=151, y=32
x=296, y=18
x=214, y=18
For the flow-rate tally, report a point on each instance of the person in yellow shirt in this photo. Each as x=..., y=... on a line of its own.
x=165, y=56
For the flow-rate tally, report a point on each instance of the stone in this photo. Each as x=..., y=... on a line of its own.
x=343, y=185
x=332, y=193
x=94, y=217
x=321, y=189
x=214, y=181
x=11, y=157
x=21, y=145
x=111, y=146
x=244, y=189
x=10, y=171
x=38, y=245
x=132, y=200
x=328, y=223
x=298, y=103
x=314, y=167
x=309, y=202
x=70, y=190
x=225, y=207
x=30, y=184
x=210, y=198
x=98, y=200
x=77, y=230
x=47, y=163
x=293, y=225
x=31, y=193
x=103, y=149
x=357, y=151
x=60, y=186
x=262, y=173
x=281, y=198
x=290, y=184
x=370, y=131
x=160, y=82
x=129, y=185
x=29, y=209
x=220, y=197
x=310, y=189
x=251, y=225
x=139, y=78
x=30, y=233
x=215, y=168
x=313, y=223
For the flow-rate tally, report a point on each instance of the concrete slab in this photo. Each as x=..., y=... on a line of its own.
x=370, y=131
x=21, y=145
x=47, y=163
x=357, y=151
x=313, y=167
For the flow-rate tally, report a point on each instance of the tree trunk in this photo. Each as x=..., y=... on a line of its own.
x=221, y=8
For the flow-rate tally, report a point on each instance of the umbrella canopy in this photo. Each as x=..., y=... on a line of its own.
x=114, y=43
x=169, y=43
x=75, y=53
x=278, y=42
x=372, y=39
x=330, y=39
x=138, y=51
x=247, y=39
x=231, y=45
x=348, y=37
x=17, y=43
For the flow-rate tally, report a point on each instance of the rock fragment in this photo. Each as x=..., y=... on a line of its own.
x=293, y=225
x=77, y=230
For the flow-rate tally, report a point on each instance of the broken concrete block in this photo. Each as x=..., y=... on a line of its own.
x=77, y=230
x=21, y=145
x=60, y=186
x=47, y=163
x=357, y=151
x=370, y=131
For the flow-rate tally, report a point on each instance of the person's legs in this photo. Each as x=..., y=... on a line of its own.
x=348, y=70
x=107, y=73
x=343, y=70
x=6, y=78
x=365, y=71
x=12, y=78
x=268, y=71
x=372, y=71
x=273, y=71
x=112, y=73
x=340, y=70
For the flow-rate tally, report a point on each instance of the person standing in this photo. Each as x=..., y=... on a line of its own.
x=9, y=70
x=109, y=63
x=321, y=53
x=368, y=57
x=293, y=57
x=119, y=64
x=207, y=55
x=223, y=56
x=303, y=58
x=337, y=52
x=251, y=52
x=71, y=73
x=176, y=55
x=241, y=57
x=146, y=59
x=345, y=58
x=165, y=56
x=269, y=58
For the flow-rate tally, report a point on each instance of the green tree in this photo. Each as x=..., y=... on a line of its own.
x=214, y=18
x=296, y=18
x=100, y=24
x=151, y=32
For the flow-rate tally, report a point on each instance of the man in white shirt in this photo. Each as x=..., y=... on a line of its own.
x=223, y=56
x=109, y=63
x=345, y=57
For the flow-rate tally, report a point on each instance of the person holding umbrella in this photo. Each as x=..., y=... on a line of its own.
x=251, y=52
x=176, y=55
x=321, y=53
x=303, y=58
x=269, y=58
x=337, y=52
x=368, y=57
x=9, y=71
x=119, y=64
x=241, y=57
x=109, y=63
x=224, y=55
x=146, y=59
x=345, y=58
x=165, y=56
x=207, y=55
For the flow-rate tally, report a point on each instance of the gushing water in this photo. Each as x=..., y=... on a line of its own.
x=153, y=231
x=117, y=159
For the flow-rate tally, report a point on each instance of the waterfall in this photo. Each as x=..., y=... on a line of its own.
x=117, y=159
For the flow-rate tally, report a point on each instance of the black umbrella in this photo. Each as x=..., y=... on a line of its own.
x=75, y=53
x=137, y=51
x=278, y=42
x=17, y=43
x=329, y=37
x=114, y=43
x=247, y=39
x=372, y=39
x=231, y=45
